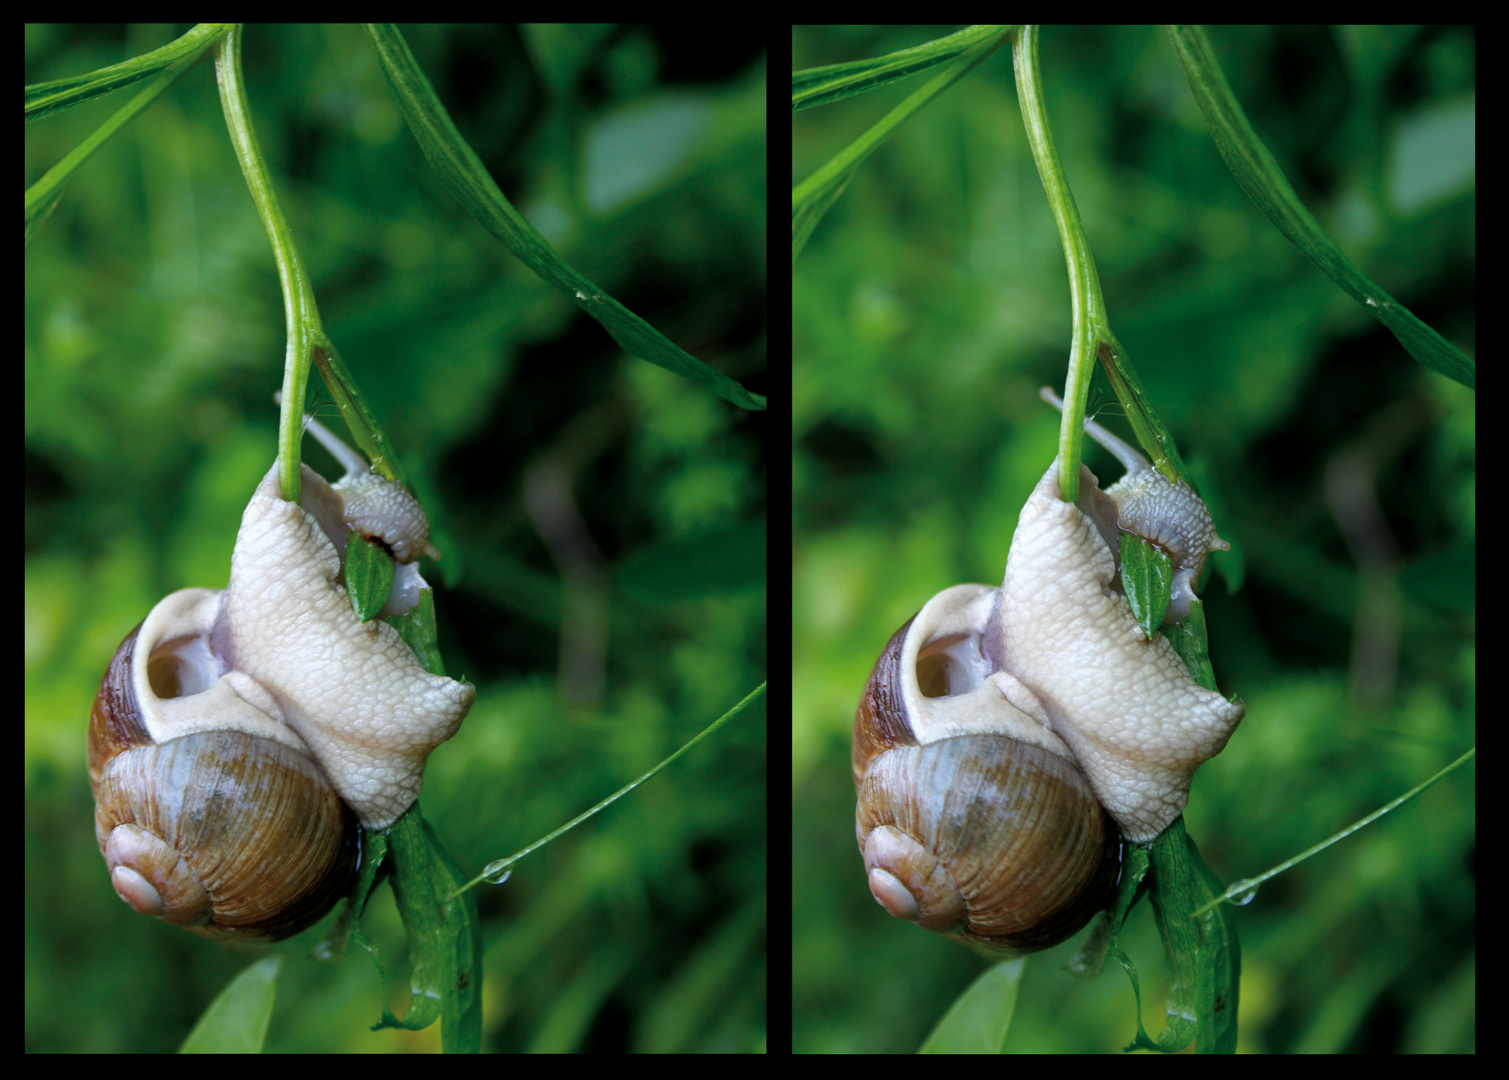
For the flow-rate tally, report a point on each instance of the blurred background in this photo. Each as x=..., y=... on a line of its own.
x=602, y=521
x=930, y=305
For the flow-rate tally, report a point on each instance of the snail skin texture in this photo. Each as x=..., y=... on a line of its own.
x=233, y=730
x=1165, y=513
x=1046, y=683
x=373, y=506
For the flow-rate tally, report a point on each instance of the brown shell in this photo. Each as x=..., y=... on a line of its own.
x=226, y=834
x=995, y=842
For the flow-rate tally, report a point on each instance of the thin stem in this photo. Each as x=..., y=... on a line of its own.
x=300, y=311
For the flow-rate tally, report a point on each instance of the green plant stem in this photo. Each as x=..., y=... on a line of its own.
x=300, y=312
x=1086, y=300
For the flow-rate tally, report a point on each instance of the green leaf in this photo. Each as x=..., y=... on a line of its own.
x=464, y=175
x=811, y=198
x=44, y=99
x=1265, y=184
x=1204, y=951
x=1147, y=575
x=979, y=1019
x=369, y=576
x=834, y=82
x=236, y=1021
x=444, y=933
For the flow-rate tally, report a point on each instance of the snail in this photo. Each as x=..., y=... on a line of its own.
x=238, y=736
x=1007, y=739
x=374, y=506
x=1164, y=513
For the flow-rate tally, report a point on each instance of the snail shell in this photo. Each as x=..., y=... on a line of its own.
x=173, y=818
x=993, y=840
x=238, y=736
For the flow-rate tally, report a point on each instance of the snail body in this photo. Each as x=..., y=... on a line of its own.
x=1008, y=738
x=238, y=736
x=1167, y=514
x=373, y=506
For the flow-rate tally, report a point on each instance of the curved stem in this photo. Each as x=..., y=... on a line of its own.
x=1086, y=301
x=300, y=311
